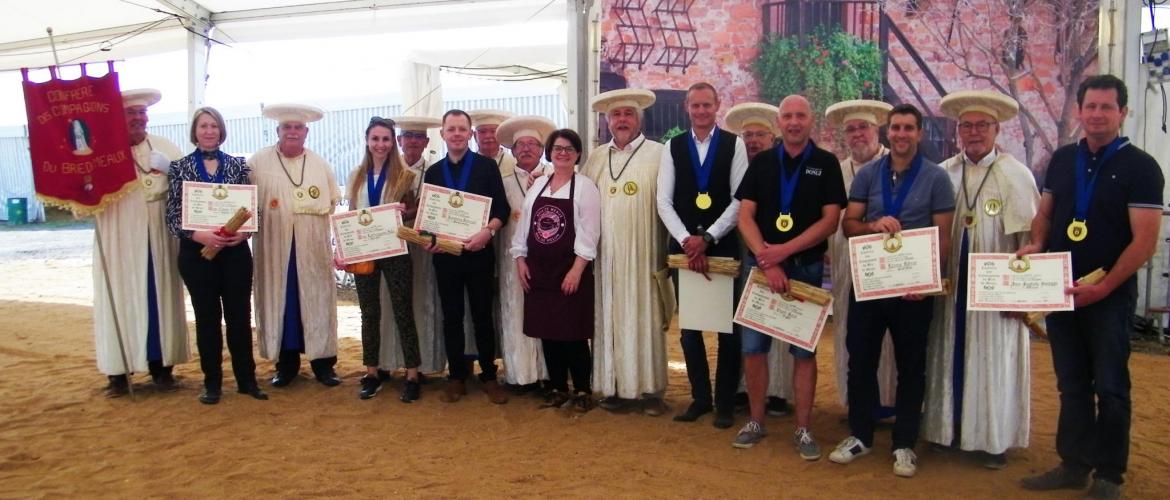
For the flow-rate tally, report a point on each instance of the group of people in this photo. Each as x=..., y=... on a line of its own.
x=568, y=278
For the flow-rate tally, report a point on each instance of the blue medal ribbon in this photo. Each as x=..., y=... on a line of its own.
x=1085, y=182
x=374, y=187
x=891, y=205
x=201, y=169
x=464, y=175
x=788, y=182
x=703, y=170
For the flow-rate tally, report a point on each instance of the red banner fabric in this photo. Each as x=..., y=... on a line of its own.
x=78, y=141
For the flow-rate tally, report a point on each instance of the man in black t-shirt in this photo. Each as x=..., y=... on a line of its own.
x=1102, y=201
x=790, y=202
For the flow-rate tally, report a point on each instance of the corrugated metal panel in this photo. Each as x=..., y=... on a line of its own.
x=337, y=138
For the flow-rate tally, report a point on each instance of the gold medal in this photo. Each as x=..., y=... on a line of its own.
x=1077, y=230
x=314, y=192
x=784, y=223
x=455, y=200
x=613, y=190
x=630, y=188
x=299, y=193
x=1020, y=264
x=992, y=207
x=969, y=220
x=365, y=218
x=703, y=201
x=893, y=242
x=219, y=192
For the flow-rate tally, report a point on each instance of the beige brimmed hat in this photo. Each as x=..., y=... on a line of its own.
x=622, y=98
x=288, y=112
x=537, y=127
x=140, y=97
x=480, y=117
x=874, y=112
x=751, y=113
x=416, y=123
x=997, y=105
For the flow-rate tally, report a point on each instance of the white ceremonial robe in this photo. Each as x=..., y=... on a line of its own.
x=523, y=356
x=996, y=376
x=506, y=162
x=279, y=223
x=634, y=295
x=128, y=227
x=842, y=280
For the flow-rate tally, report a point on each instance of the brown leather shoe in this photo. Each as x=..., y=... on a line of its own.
x=495, y=393
x=455, y=390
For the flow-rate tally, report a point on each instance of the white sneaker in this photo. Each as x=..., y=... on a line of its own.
x=905, y=462
x=848, y=450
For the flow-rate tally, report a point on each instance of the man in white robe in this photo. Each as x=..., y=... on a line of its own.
x=755, y=123
x=296, y=296
x=978, y=379
x=859, y=121
x=523, y=357
x=635, y=299
x=143, y=272
x=486, y=122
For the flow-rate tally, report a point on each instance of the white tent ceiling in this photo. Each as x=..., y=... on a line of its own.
x=99, y=30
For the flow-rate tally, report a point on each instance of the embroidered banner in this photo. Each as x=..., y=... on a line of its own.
x=78, y=141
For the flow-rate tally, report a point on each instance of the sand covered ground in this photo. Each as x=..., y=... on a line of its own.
x=60, y=436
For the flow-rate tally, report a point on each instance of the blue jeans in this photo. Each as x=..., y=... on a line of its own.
x=1090, y=354
x=812, y=273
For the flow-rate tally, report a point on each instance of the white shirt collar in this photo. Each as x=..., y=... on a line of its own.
x=629, y=147
x=706, y=140
x=986, y=161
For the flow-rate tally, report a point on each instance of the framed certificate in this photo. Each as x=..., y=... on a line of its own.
x=786, y=317
x=369, y=233
x=893, y=265
x=451, y=214
x=1002, y=282
x=208, y=206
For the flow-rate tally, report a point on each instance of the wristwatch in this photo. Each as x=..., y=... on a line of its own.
x=707, y=238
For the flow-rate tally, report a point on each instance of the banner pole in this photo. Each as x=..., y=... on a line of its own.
x=53, y=45
x=97, y=232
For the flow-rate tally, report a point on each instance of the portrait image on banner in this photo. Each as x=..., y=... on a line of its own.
x=78, y=141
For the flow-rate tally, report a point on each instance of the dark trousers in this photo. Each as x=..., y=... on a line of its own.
x=479, y=282
x=727, y=368
x=221, y=287
x=565, y=357
x=908, y=322
x=1090, y=353
x=397, y=272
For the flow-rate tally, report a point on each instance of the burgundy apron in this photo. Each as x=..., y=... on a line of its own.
x=548, y=312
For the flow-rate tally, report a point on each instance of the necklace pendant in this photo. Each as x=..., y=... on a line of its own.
x=992, y=207
x=299, y=193
x=613, y=190
x=314, y=192
x=970, y=220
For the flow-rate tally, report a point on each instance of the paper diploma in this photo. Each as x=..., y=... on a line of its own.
x=451, y=214
x=1001, y=282
x=798, y=322
x=208, y=206
x=369, y=233
x=704, y=305
x=893, y=265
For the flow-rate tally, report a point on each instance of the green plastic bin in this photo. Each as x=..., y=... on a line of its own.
x=17, y=211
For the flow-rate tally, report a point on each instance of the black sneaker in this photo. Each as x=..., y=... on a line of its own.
x=411, y=391
x=370, y=387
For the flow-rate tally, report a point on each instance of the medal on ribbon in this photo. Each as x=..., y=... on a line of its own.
x=891, y=204
x=703, y=201
x=969, y=220
x=1078, y=229
x=784, y=222
x=703, y=169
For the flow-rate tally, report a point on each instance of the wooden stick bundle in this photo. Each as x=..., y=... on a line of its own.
x=446, y=246
x=233, y=224
x=1033, y=319
x=718, y=265
x=798, y=289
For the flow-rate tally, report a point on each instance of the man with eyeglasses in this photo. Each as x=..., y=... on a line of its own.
x=755, y=123
x=858, y=120
x=697, y=178
x=523, y=358
x=977, y=375
x=1102, y=202
x=903, y=190
x=296, y=297
x=486, y=122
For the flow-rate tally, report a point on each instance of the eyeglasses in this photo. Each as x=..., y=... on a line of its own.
x=564, y=149
x=859, y=128
x=385, y=122
x=977, y=126
x=413, y=135
x=526, y=145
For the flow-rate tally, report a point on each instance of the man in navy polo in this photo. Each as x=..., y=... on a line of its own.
x=790, y=202
x=919, y=194
x=1102, y=201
